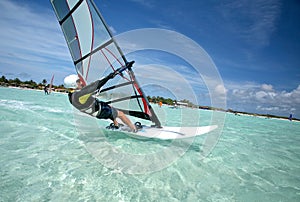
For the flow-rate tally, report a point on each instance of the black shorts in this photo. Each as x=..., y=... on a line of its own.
x=106, y=112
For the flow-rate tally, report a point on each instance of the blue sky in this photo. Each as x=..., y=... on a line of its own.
x=254, y=44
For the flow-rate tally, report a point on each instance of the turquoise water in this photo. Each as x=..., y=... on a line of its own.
x=48, y=152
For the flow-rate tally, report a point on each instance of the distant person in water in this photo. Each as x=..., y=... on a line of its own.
x=160, y=103
x=46, y=90
x=83, y=98
x=291, y=117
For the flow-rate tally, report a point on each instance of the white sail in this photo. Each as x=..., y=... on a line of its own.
x=51, y=84
x=95, y=54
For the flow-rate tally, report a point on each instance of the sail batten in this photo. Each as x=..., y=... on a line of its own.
x=94, y=51
x=95, y=54
x=71, y=11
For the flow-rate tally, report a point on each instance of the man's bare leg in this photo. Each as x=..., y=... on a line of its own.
x=125, y=120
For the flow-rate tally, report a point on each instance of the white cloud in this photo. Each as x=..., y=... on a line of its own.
x=267, y=108
x=258, y=17
x=220, y=90
x=263, y=98
x=161, y=24
x=267, y=87
x=31, y=42
x=169, y=81
x=112, y=29
x=146, y=3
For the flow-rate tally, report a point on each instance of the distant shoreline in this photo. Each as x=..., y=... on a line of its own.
x=238, y=113
x=35, y=89
x=266, y=116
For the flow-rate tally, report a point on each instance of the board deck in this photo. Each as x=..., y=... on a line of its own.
x=169, y=133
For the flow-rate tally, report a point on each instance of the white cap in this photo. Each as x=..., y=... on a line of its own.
x=70, y=81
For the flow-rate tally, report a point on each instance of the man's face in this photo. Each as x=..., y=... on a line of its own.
x=79, y=84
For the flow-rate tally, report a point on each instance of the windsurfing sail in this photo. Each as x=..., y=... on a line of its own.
x=51, y=84
x=95, y=54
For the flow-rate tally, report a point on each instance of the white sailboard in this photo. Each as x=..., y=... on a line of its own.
x=95, y=54
x=167, y=132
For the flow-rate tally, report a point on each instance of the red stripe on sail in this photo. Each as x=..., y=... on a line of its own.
x=146, y=108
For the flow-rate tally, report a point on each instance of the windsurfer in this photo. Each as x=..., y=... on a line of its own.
x=160, y=103
x=46, y=90
x=82, y=98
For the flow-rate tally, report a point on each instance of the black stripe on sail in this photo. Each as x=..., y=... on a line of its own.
x=70, y=13
x=137, y=114
x=124, y=98
x=94, y=51
x=116, y=86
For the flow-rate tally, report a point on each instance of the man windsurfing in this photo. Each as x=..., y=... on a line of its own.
x=83, y=98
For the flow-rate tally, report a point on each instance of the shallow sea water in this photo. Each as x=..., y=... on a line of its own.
x=50, y=153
